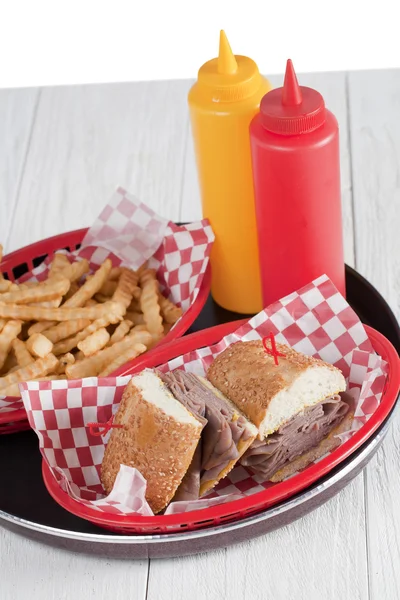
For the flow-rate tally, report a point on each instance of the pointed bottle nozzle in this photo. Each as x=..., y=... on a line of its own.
x=291, y=92
x=227, y=64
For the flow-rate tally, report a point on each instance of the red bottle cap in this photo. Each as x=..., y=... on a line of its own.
x=292, y=109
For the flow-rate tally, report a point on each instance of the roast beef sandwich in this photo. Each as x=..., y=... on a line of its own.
x=295, y=404
x=183, y=436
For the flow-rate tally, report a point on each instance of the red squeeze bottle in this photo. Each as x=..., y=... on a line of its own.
x=296, y=173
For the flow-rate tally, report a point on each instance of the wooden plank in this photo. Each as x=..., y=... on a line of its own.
x=87, y=140
x=333, y=88
x=17, y=108
x=39, y=572
x=320, y=556
x=375, y=142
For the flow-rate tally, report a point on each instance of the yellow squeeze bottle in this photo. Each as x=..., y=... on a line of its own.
x=222, y=102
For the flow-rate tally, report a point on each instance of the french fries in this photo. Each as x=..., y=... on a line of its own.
x=120, y=331
x=39, y=368
x=149, y=302
x=43, y=291
x=79, y=324
x=131, y=351
x=22, y=354
x=39, y=345
x=93, y=365
x=94, y=342
x=7, y=336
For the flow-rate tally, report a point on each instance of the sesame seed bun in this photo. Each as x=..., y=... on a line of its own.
x=159, y=439
x=268, y=394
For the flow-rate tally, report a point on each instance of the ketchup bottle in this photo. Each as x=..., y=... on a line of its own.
x=296, y=174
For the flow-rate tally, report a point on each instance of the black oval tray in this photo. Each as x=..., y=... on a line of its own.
x=26, y=506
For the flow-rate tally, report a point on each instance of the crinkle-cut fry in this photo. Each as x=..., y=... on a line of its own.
x=149, y=302
x=10, y=364
x=137, y=318
x=49, y=304
x=40, y=327
x=167, y=328
x=74, y=287
x=115, y=273
x=101, y=298
x=108, y=288
x=79, y=355
x=127, y=285
x=130, y=353
x=78, y=269
x=120, y=332
x=2, y=323
x=48, y=290
x=56, y=377
x=141, y=336
x=39, y=345
x=91, y=302
x=141, y=327
x=135, y=305
x=22, y=354
x=147, y=275
x=7, y=336
x=71, y=342
x=28, y=284
x=63, y=361
x=66, y=329
x=37, y=313
x=59, y=263
x=169, y=311
x=91, y=366
x=39, y=368
x=94, y=342
x=5, y=286
x=11, y=390
x=90, y=287
x=142, y=268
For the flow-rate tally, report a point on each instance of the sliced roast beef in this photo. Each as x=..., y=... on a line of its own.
x=223, y=430
x=301, y=433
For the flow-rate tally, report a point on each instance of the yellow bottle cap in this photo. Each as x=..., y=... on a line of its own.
x=229, y=78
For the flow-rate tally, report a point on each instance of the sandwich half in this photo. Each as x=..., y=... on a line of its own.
x=159, y=438
x=295, y=404
x=226, y=435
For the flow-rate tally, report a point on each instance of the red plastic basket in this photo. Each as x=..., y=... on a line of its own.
x=22, y=261
x=251, y=504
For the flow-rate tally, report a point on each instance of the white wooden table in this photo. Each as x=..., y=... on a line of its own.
x=63, y=151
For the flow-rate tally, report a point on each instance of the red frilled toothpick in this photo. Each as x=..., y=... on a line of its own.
x=273, y=350
x=103, y=428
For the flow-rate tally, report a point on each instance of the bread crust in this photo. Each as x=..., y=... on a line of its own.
x=248, y=376
x=156, y=444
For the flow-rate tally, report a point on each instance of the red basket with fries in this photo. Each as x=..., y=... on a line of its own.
x=162, y=278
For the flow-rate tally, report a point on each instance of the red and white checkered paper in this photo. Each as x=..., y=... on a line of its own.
x=315, y=320
x=129, y=233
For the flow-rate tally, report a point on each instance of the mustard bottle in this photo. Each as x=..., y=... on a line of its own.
x=222, y=103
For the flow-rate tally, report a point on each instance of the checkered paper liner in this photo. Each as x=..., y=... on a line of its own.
x=130, y=233
x=315, y=320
